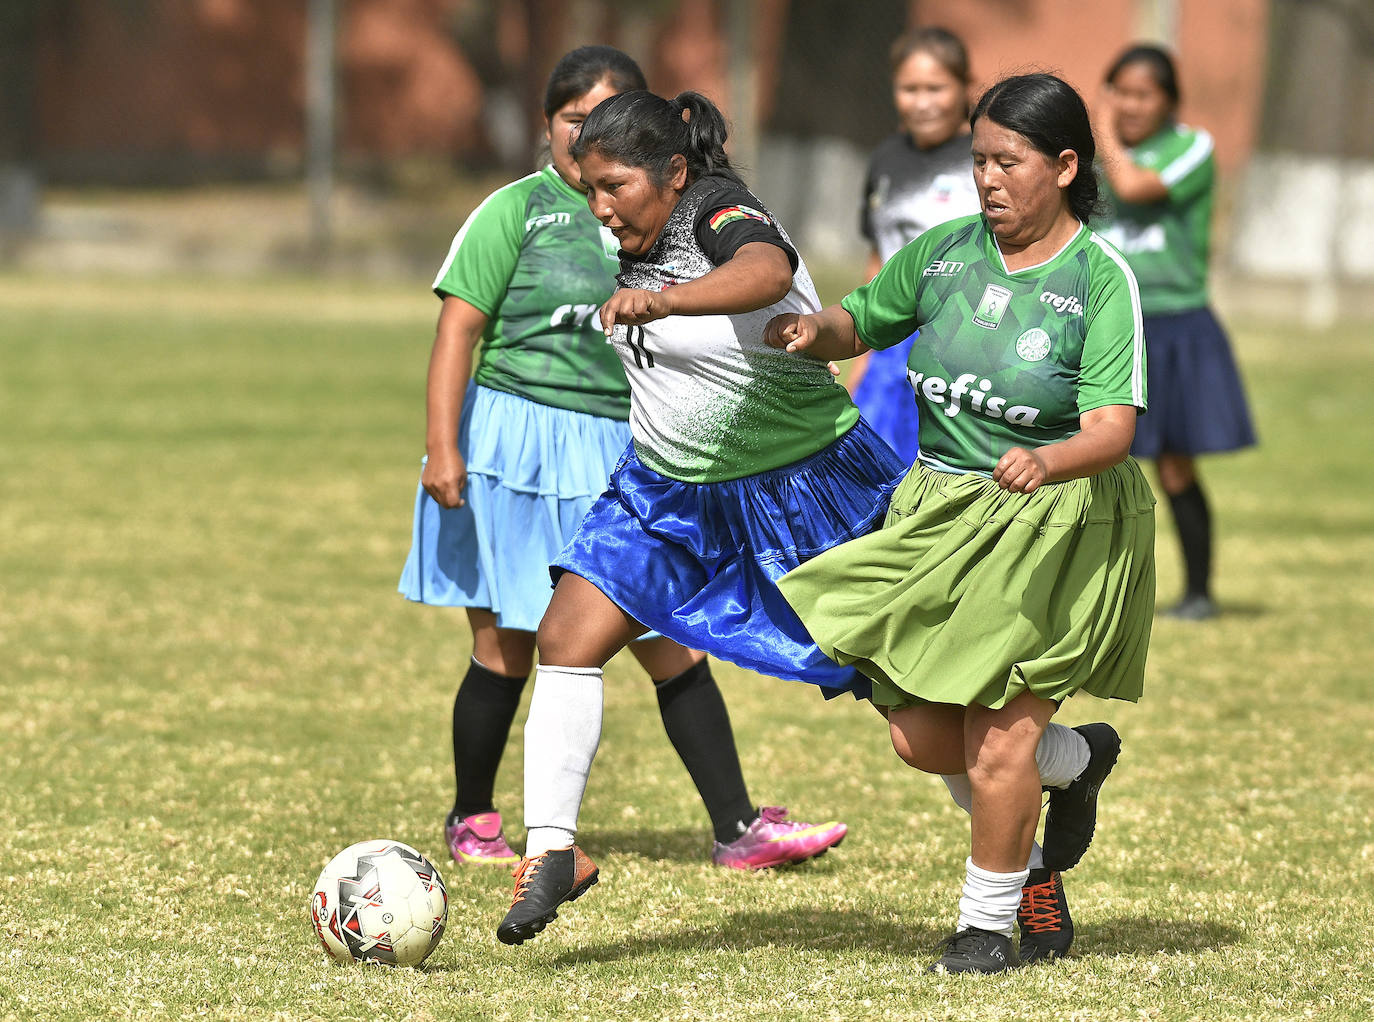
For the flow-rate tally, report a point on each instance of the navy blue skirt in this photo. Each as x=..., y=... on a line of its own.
x=1196, y=400
x=699, y=562
x=885, y=399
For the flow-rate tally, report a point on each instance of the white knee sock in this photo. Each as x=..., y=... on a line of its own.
x=990, y=899
x=561, y=736
x=962, y=792
x=1061, y=756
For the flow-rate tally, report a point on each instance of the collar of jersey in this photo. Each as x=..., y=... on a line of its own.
x=997, y=259
x=558, y=181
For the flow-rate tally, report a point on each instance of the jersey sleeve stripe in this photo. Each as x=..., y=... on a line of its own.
x=472, y=217
x=1191, y=159
x=1137, y=325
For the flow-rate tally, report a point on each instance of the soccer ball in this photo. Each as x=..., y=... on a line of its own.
x=379, y=901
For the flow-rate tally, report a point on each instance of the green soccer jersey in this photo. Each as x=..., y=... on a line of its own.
x=537, y=263
x=1166, y=242
x=1005, y=358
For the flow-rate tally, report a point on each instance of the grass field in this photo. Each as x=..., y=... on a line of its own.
x=209, y=686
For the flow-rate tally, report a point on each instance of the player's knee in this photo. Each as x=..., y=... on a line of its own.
x=555, y=639
x=916, y=753
x=1000, y=755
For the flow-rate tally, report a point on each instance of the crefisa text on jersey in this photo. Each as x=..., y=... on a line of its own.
x=941, y=392
x=1069, y=305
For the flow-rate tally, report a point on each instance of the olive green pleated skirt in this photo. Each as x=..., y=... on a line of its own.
x=972, y=594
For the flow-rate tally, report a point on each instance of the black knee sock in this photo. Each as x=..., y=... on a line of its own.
x=483, y=711
x=1194, y=523
x=698, y=725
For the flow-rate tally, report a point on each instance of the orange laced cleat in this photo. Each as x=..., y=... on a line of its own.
x=541, y=885
x=1046, y=927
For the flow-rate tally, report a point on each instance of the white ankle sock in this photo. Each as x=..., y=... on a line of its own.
x=1061, y=756
x=561, y=736
x=990, y=899
x=962, y=792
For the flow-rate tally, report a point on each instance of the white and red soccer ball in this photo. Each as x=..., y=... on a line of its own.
x=379, y=901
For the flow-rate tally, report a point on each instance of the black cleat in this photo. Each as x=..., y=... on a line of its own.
x=1072, y=816
x=975, y=950
x=541, y=885
x=1046, y=928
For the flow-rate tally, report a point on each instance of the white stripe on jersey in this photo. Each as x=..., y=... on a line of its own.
x=462, y=231
x=1138, y=344
x=1190, y=160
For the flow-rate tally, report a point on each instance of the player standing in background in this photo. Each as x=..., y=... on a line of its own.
x=918, y=177
x=1160, y=178
x=516, y=459
x=1016, y=565
x=745, y=461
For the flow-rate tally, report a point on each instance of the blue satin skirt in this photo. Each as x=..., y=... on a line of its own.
x=699, y=562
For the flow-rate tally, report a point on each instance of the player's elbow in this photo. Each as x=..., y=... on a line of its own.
x=771, y=273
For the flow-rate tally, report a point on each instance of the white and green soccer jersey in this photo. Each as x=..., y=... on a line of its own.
x=1005, y=358
x=1167, y=242
x=710, y=400
x=538, y=264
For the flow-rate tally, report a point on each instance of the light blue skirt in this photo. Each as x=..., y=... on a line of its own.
x=699, y=562
x=886, y=401
x=533, y=472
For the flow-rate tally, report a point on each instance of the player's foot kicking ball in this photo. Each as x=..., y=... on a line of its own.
x=1046, y=928
x=774, y=840
x=478, y=839
x=1072, y=815
x=541, y=885
x=975, y=950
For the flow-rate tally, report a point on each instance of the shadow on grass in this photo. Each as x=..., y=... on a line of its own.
x=813, y=929
x=840, y=931
x=680, y=844
x=1225, y=609
x=1151, y=935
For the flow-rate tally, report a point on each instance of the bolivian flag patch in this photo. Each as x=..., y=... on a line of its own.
x=730, y=214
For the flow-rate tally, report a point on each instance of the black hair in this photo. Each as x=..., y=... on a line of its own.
x=640, y=129
x=1156, y=60
x=942, y=44
x=1051, y=116
x=581, y=70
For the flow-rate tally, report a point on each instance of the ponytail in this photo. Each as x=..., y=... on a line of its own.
x=706, y=136
x=640, y=129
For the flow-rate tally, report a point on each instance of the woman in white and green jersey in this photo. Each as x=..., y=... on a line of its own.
x=745, y=462
x=516, y=457
x=1016, y=564
x=1160, y=177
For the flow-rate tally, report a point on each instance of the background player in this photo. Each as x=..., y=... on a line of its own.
x=918, y=177
x=1160, y=178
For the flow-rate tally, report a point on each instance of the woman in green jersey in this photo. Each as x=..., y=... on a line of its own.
x=1016, y=564
x=1160, y=177
x=517, y=455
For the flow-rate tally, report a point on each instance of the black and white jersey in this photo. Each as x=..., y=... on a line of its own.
x=708, y=399
x=910, y=190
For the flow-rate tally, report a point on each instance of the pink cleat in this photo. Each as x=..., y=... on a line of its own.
x=773, y=840
x=478, y=839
